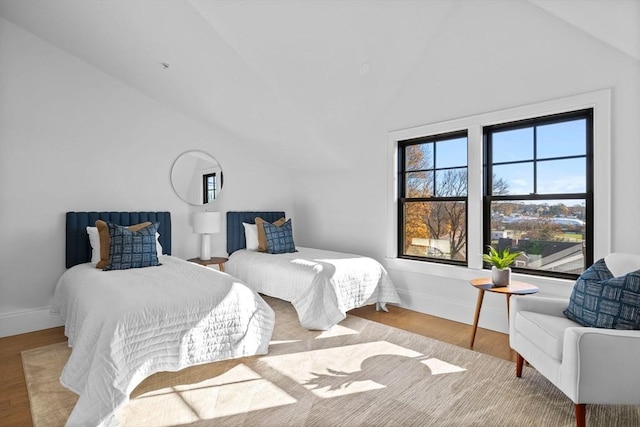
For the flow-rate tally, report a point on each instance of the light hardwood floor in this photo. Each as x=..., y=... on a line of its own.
x=14, y=402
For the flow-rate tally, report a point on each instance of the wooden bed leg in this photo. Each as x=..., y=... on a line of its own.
x=581, y=414
x=519, y=363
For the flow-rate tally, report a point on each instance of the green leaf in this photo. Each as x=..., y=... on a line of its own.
x=502, y=259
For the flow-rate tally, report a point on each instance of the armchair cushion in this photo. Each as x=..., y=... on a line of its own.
x=600, y=300
x=545, y=330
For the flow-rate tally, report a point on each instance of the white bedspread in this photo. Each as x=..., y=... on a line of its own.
x=126, y=325
x=321, y=285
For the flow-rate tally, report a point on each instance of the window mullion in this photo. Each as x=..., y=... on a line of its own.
x=474, y=196
x=535, y=160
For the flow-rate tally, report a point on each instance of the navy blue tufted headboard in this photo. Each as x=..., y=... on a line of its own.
x=78, y=249
x=235, y=229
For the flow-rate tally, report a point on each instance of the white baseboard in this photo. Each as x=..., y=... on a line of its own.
x=491, y=317
x=25, y=321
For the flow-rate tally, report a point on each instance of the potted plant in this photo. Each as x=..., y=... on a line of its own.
x=500, y=265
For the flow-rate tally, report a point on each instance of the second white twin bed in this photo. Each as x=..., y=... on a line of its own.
x=322, y=285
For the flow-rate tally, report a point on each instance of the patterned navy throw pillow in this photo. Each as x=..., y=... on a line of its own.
x=132, y=249
x=279, y=239
x=619, y=305
x=600, y=300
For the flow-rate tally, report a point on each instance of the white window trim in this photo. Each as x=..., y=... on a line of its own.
x=600, y=101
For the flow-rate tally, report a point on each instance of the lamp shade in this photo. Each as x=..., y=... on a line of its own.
x=206, y=222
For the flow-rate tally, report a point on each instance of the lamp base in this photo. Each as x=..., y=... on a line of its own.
x=205, y=247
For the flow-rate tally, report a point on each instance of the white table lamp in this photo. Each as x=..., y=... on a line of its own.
x=205, y=224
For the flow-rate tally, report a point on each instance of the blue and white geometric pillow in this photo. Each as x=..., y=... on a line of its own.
x=132, y=249
x=279, y=239
x=619, y=303
x=600, y=300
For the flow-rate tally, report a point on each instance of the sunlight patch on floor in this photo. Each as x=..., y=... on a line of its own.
x=438, y=366
x=275, y=342
x=237, y=391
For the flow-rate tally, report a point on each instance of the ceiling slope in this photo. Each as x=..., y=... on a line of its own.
x=303, y=80
x=339, y=63
x=206, y=79
x=615, y=22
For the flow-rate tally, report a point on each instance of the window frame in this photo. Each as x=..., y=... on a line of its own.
x=488, y=198
x=205, y=187
x=403, y=200
x=599, y=100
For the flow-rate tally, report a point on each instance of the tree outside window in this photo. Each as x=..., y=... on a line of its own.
x=433, y=201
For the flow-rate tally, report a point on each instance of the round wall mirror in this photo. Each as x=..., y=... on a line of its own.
x=197, y=177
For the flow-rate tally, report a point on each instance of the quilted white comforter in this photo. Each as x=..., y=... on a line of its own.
x=126, y=325
x=321, y=285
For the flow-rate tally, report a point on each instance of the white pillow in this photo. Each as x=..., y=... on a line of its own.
x=94, y=240
x=158, y=245
x=251, y=236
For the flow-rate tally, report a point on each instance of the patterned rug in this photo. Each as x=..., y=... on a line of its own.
x=359, y=373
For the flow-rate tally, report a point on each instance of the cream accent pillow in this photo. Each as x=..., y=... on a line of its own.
x=262, y=238
x=158, y=245
x=105, y=240
x=251, y=236
x=94, y=239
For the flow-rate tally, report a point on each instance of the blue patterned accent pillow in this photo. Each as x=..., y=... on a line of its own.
x=600, y=300
x=132, y=249
x=279, y=239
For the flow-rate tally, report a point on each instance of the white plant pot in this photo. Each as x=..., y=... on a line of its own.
x=501, y=277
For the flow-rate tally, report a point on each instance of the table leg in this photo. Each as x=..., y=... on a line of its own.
x=508, y=296
x=477, y=316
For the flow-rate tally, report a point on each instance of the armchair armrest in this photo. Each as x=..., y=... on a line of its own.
x=544, y=305
x=601, y=366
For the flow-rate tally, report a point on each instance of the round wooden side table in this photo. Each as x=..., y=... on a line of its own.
x=484, y=284
x=214, y=260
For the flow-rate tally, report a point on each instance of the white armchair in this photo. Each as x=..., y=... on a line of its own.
x=589, y=365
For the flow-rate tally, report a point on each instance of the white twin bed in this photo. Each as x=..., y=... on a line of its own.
x=321, y=285
x=125, y=325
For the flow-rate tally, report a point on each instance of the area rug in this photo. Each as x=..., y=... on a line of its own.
x=359, y=373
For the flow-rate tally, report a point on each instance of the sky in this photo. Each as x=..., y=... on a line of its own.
x=553, y=141
x=554, y=176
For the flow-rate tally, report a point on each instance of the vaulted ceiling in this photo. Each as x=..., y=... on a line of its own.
x=301, y=77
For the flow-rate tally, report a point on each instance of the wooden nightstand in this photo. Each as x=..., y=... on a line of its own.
x=214, y=260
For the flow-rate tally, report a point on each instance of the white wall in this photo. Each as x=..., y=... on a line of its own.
x=60, y=119
x=490, y=56
x=73, y=138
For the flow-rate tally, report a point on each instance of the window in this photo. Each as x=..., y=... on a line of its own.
x=209, y=187
x=432, y=205
x=538, y=192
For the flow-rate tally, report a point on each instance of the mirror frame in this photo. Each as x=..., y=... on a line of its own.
x=188, y=176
